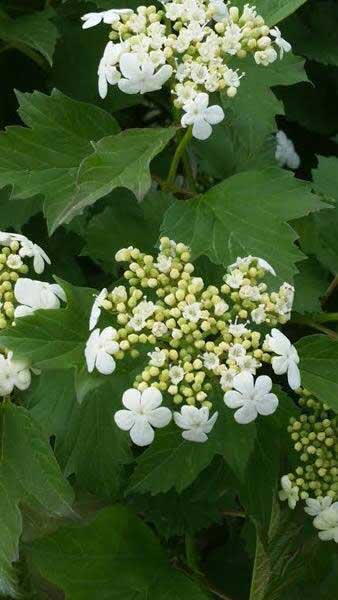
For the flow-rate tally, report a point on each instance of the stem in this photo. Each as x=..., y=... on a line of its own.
x=234, y=513
x=260, y=571
x=177, y=157
x=311, y=323
x=188, y=171
x=330, y=289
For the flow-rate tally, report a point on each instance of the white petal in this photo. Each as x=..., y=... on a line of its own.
x=127, y=86
x=293, y=376
x=124, y=419
x=192, y=435
x=267, y=404
x=103, y=85
x=131, y=399
x=110, y=16
x=209, y=425
x=280, y=364
x=201, y=130
x=27, y=291
x=263, y=384
x=142, y=434
x=201, y=100
x=157, y=81
x=130, y=65
x=58, y=291
x=151, y=398
x=244, y=383
x=233, y=399
x=23, y=311
x=246, y=414
x=90, y=350
x=214, y=114
x=160, y=417
x=38, y=264
x=105, y=363
x=91, y=19
x=279, y=343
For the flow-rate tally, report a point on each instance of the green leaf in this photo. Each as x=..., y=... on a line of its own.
x=29, y=476
x=133, y=225
x=53, y=339
x=319, y=367
x=310, y=284
x=245, y=215
x=325, y=177
x=15, y=214
x=247, y=128
x=125, y=558
x=35, y=31
x=44, y=158
x=274, y=11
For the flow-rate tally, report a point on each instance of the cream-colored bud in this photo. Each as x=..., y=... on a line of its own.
x=231, y=92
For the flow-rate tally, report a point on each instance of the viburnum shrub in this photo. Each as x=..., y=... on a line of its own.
x=168, y=300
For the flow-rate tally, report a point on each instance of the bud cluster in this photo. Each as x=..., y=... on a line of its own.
x=190, y=43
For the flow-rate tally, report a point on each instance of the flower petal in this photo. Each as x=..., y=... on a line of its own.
x=263, y=384
x=244, y=383
x=280, y=364
x=267, y=404
x=131, y=399
x=293, y=376
x=194, y=435
x=160, y=417
x=105, y=363
x=128, y=86
x=246, y=414
x=214, y=114
x=142, y=434
x=124, y=419
x=130, y=66
x=201, y=130
x=151, y=398
x=233, y=399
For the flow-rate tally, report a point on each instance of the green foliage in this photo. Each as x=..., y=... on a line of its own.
x=274, y=11
x=318, y=365
x=124, y=556
x=251, y=211
x=29, y=476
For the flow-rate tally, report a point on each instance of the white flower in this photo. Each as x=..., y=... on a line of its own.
x=173, y=10
x=201, y=116
x=106, y=16
x=99, y=348
x=33, y=295
x=96, y=308
x=316, y=505
x=145, y=309
x=107, y=70
x=157, y=358
x=286, y=155
x=34, y=251
x=231, y=39
x=237, y=329
x=227, y=379
x=210, y=360
x=159, y=329
x=250, y=292
x=282, y=44
x=258, y=315
x=140, y=77
x=288, y=359
x=220, y=308
x=144, y=411
x=219, y=10
x=14, y=261
x=289, y=492
x=248, y=363
x=234, y=279
x=13, y=373
x=265, y=57
x=163, y=263
x=251, y=398
x=119, y=294
x=327, y=522
x=236, y=351
x=192, y=312
x=195, y=422
x=137, y=322
x=176, y=374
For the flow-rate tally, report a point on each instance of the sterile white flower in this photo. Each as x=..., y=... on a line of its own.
x=96, y=308
x=250, y=397
x=99, y=349
x=201, y=116
x=157, y=357
x=195, y=422
x=107, y=71
x=140, y=77
x=13, y=373
x=106, y=16
x=327, y=523
x=34, y=251
x=288, y=359
x=289, y=492
x=33, y=295
x=282, y=44
x=314, y=506
x=286, y=155
x=144, y=411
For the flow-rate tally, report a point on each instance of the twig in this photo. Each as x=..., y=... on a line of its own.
x=330, y=289
x=310, y=323
x=234, y=513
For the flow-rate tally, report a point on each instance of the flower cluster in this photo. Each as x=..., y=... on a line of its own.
x=189, y=42
x=202, y=336
x=315, y=437
x=286, y=155
x=21, y=296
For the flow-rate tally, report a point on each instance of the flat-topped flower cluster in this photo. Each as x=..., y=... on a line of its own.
x=189, y=44
x=21, y=296
x=203, y=337
x=314, y=435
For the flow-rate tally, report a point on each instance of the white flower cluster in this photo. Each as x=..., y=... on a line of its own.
x=190, y=43
x=202, y=337
x=21, y=296
x=286, y=155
